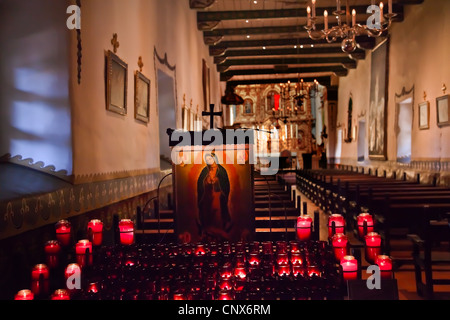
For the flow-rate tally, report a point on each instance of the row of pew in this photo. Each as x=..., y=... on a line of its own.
x=402, y=209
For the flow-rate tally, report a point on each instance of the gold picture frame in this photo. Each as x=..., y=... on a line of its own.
x=443, y=110
x=116, y=84
x=424, y=115
x=141, y=97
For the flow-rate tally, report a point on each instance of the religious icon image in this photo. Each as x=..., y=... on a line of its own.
x=213, y=190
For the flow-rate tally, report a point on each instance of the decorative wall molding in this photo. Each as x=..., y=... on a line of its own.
x=39, y=166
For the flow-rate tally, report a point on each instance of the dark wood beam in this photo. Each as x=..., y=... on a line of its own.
x=338, y=70
x=284, y=13
x=357, y=55
x=279, y=61
x=366, y=42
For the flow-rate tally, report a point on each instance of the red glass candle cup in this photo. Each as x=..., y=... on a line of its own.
x=83, y=247
x=72, y=274
x=267, y=247
x=284, y=269
x=95, y=232
x=296, y=259
x=199, y=249
x=25, y=294
x=339, y=242
x=338, y=222
x=297, y=270
x=226, y=273
x=295, y=246
x=240, y=272
x=385, y=264
x=254, y=259
x=63, y=232
x=60, y=294
x=349, y=267
x=126, y=231
x=367, y=220
x=304, y=228
x=281, y=246
x=225, y=295
x=282, y=258
x=373, y=246
x=313, y=271
x=40, y=272
x=52, y=249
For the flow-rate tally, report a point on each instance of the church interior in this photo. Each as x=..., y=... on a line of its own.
x=224, y=150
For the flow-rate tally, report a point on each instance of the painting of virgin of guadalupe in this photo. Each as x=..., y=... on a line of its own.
x=213, y=193
x=213, y=190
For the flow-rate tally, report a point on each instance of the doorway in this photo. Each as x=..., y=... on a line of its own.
x=404, y=130
x=167, y=116
x=361, y=141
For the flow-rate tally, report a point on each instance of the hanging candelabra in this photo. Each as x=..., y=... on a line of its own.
x=377, y=24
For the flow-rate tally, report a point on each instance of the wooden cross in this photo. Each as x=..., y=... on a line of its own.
x=211, y=115
x=114, y=42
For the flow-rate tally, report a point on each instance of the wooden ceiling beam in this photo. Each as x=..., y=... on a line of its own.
x=325, y=81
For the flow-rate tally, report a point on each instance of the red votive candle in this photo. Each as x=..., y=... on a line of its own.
x=126, y=230
x=40, y=272
x=240, y=272
x=24, y=295
x=281, y=246
x=339, y=224
x=63, y=232
x=297, y=270
x=60, y=294
x=83, y=246
x=72, y=269
x=361, y=219
x=349, y=267
x=373, y=246
x=225, y=295
x=267, y=247
x=339, y=242
x=226, y=272
x=304, y=228
x=284, y=270
x=282, y=258
x=199, y=249
x=313, y=270
x=254, y=259
x=52, y=247
x=385, y=264
x=95, y=231
x=296, y=259
x=295, y=247
x=178, y=296
x=225, y=284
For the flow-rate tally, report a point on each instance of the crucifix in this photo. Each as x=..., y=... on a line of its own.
x=211, y=115
x=114, y=42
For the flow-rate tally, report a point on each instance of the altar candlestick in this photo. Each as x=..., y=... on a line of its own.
x=314, y=8
x=338, y=5
x=325, y=18
x=308, y=10
x=381, y=13
x=354, y=17
x=390, y=6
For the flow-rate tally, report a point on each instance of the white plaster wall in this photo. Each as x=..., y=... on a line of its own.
x=35, y=115
x=106, y=142
x=419, y=57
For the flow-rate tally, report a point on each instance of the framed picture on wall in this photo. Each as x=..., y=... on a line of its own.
x=424, y=115
x=443, y=110
x=378, y=102
x=116, y=84
x=141, y=97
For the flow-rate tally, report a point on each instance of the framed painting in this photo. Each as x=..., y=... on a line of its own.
x=378, y=102
x=443, y=110
x=141, y=97
x=248, y=107
x=116, y=84
x=213, y=193
x=424, y=115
